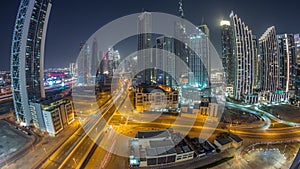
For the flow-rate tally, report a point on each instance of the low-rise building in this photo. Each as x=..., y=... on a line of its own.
x=236, y=140
x=229, y=91
x=226, y=141
x=157, y=148
x=202, y=147
x=223, y=143
x=52, y=115
x=57, y=115
x=53, y=120
x=207, y=107
x=155, y=98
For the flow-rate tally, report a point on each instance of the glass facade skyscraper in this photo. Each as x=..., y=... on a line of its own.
x=145, y=58
x=27, y=56
x=269, y=77
x=297, y=45
x=287, y=62
x=199, y=60
x=165, y=61
x=228, y=60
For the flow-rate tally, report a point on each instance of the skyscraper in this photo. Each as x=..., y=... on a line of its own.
x=256, y=63
x=244, y=55
x=165, y=61
x=297, y=45
x=205, y=55
x=84, y=62
x=228, y=59
x=180, y=47
x=269, y=77
x=145, y=60
x=27, y=56
x=94, y=59
x=204, y=28
x=287, y=62
x=198, y=61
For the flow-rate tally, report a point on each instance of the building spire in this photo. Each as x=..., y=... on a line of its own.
x=181, y=9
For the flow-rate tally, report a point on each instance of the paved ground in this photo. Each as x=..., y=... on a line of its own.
x=11, y=139
x=236, y=116
x=284, y=112
x=42, y=150
x=264, y=156
x=5, y=107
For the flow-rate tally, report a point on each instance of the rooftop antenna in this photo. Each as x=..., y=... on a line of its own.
x=181, y=9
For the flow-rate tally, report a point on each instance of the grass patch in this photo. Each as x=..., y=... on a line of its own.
x=216, y=163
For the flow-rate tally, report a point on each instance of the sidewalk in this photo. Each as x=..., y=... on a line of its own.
x=43, y=149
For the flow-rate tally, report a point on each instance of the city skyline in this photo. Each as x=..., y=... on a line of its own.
x=172, y=84
x=62, y=19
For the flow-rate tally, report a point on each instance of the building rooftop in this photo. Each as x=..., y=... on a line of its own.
x=235, y=138
x=146, y=88
x=153, y=134
x=160, y=151
x=161, y=143
x=223, y=140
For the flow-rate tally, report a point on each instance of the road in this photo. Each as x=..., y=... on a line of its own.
x=82, y=148
x=94, y=135
x=76, y=156
x=62, y=152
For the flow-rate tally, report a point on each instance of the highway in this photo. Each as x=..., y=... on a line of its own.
x=80, y=153
x=63, y=151
x=81, y=150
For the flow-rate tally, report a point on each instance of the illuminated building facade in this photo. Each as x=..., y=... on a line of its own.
x=227, y=54
x=27, y=56
x=244, y=54
x=160, y=98
x=287, y=62
x=165, y=61
x=269, y=61
x=145, y=58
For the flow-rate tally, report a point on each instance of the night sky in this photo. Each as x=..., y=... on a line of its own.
x=73, y=21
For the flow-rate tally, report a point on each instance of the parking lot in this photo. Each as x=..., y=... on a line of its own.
x=11, y=139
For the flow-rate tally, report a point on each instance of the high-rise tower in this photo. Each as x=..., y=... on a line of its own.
x=165, y=61
x=144, y=59
x=228, y=59
x=245, y=56
x=287, y=62
x=27, y=56
x=269, y=73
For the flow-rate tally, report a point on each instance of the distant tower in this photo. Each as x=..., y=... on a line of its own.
x=204, y=28
x=297, y=45
x=228, y=59
x=205, y=55
x=245, y=56
x=84, y=62
x=180, y=47
x=145, y=59
x=27, y=56
x=287, y=61
x=165, y=61
x=181, y=13
x=269, y=77
x=94, y=59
